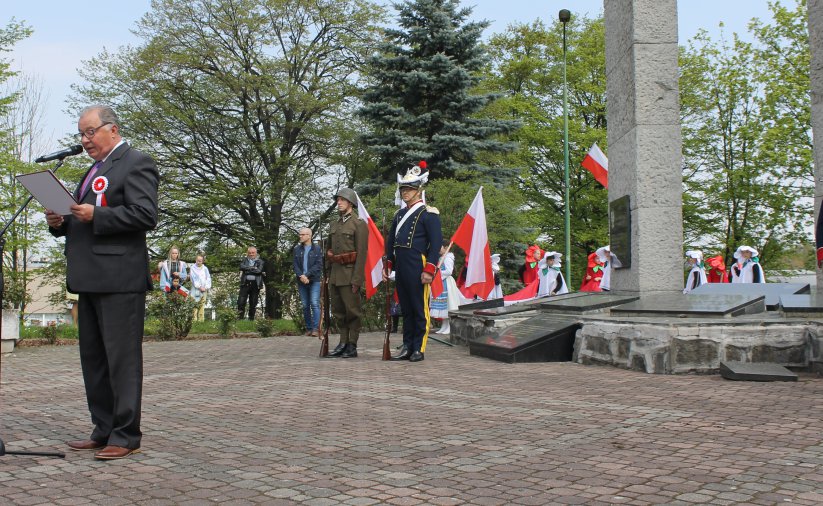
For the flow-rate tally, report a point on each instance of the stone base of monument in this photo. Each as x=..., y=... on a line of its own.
x=771, y=291
x=10, y=330
x=541, y=338
x=741, y=371
x=669, y=334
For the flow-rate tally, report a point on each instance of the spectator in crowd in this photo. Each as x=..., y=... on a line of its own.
x=251, y=281
x=308, y=267
x=200, y=286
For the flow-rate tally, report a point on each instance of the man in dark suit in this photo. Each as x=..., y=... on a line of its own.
x=108, y=266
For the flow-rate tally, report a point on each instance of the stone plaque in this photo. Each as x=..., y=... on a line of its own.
x=772, y=291
x=620, y=232
x=542, y=338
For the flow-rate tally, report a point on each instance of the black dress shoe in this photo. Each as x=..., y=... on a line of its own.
x=403, y=354
x=416, y=357
x=350, y=351
x=338, y=350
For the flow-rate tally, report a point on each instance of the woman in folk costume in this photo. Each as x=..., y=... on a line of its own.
x=716, y=272
x=497, y=291
x=594, y=273
x=529, y=271
x=697, y=275
x=604, y=256
x=747, y=269
x=200, y=286
x=171, y=266
x=551, y=279
x=447, y=300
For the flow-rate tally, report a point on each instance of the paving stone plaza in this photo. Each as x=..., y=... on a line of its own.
x=263, y=421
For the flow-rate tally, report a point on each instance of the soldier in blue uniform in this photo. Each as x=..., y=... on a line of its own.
x=412, y=251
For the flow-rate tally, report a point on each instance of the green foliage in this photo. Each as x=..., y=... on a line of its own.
x=226, y=321
x=173, y=312
x=239, y=102
x=421, y=101
x=265, y=327
x=50, y=333
x=746, y=139
x=526, y=68
x=19, y=237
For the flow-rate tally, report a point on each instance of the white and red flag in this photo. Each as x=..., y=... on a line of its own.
x=597, y=163
x=472, y=237
x=526, y=294
x=374, y=257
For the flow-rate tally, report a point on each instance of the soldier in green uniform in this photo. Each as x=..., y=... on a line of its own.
x=348, y=242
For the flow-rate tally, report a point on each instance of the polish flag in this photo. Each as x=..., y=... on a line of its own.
x=526, y=294
x=374, y=257
x=473, y=238
x=597, y=163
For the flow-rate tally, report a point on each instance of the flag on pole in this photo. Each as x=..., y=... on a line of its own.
x=472, y=237
x=597, y=163
x=374, y=257
x=437, y=284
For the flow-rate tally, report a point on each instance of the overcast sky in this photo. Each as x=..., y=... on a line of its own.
x=65, y=33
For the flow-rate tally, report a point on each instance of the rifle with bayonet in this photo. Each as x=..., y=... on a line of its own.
x=325, y=321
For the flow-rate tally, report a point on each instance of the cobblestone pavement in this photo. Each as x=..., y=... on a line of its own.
x=263, y=421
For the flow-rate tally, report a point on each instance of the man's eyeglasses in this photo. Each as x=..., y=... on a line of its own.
x=89, y=132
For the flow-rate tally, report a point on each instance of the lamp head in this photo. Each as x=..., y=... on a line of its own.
x=565, y=15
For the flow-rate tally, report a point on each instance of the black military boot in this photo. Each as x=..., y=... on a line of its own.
x=338, y=350
x=350, y=351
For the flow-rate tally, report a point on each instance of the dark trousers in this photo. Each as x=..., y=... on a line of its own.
x=111, y=356
x=414, y=298
x=249, y=291
x=346, y=310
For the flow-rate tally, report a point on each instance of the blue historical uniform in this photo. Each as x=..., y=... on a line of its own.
x=413, y=247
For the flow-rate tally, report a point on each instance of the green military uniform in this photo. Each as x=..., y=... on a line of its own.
x=348, y=243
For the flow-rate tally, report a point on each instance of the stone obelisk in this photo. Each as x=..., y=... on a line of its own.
x=645, y=158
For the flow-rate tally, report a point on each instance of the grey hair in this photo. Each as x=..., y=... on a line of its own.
x=105, y=112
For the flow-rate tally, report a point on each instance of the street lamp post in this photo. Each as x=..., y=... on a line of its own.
x=565, y=16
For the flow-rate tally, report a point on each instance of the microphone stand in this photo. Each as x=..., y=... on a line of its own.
x=6, y=227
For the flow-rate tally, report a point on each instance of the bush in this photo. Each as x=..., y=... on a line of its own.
x=50, y=332
x=265, y=327
x=226, y=318
x=174, y=314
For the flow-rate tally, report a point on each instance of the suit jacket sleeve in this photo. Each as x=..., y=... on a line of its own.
x=139, y=212
x=361, y=239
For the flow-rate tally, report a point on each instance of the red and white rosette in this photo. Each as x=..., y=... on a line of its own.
x=99, y=187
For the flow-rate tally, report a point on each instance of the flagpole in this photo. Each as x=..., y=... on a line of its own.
x=565, y=16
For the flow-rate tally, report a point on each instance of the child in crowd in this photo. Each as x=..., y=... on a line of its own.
x=551, y=279
x=716, y=272
x=747, y=269
x=594, y=273
x=697, y=275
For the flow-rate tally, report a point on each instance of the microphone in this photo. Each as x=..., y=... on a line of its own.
x=59, y=155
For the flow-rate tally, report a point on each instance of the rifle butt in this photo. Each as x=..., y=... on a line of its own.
x=324, y=346
x=386, y=348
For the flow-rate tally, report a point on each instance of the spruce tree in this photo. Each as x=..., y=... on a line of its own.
x=421, y=103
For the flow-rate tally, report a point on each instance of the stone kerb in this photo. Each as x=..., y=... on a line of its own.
x=669, y=348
